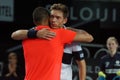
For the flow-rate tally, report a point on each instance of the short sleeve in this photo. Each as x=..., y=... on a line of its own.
x=67, y=36
x=76, y=47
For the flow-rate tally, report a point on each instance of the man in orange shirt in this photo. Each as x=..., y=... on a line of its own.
x=43, y=57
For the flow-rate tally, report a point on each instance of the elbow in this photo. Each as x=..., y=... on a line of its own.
x=84, y=38
x=13, y=36
x=90, y=39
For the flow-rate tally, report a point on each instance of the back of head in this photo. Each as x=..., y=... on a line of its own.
x=62, y=8
x=40, y=15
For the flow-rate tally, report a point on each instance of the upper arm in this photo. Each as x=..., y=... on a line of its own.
x=19, y=34
x=81, y=63
x=83, y=37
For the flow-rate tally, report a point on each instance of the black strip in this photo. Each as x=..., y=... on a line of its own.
x=67, y=58
x=32, y=33
x=77, y=55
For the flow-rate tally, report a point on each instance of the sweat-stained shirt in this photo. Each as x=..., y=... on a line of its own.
x=43, y=57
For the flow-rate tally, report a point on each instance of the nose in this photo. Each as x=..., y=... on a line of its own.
x=54, y=19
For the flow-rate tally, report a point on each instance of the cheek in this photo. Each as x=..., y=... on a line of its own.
x=115, y=46
x=61, y=22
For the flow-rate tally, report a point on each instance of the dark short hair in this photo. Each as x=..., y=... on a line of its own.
x=62, y=8
x=40, y=14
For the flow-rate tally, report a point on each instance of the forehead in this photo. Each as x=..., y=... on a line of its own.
x=57, y=13
x=111, y=41
x=12, y=54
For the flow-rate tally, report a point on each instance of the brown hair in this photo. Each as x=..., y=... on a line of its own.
x=62, y=8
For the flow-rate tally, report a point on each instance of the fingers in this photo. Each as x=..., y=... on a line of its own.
x=46, y=34
x=49, y=35
x=47, y=38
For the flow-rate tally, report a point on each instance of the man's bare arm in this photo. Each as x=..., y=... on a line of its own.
x=82, y=35
x=83, y=38
x=23, y=34
x=82, y=69
x=19, y=34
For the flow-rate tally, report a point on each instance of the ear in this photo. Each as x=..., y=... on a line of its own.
x=65, y=21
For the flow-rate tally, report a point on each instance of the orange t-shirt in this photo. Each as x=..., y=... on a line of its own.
x=43, y=58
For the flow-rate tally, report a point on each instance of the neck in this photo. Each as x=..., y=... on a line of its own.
x=112, y=53
x=44, y=23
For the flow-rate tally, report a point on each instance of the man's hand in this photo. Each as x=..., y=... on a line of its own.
x=45, y=34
